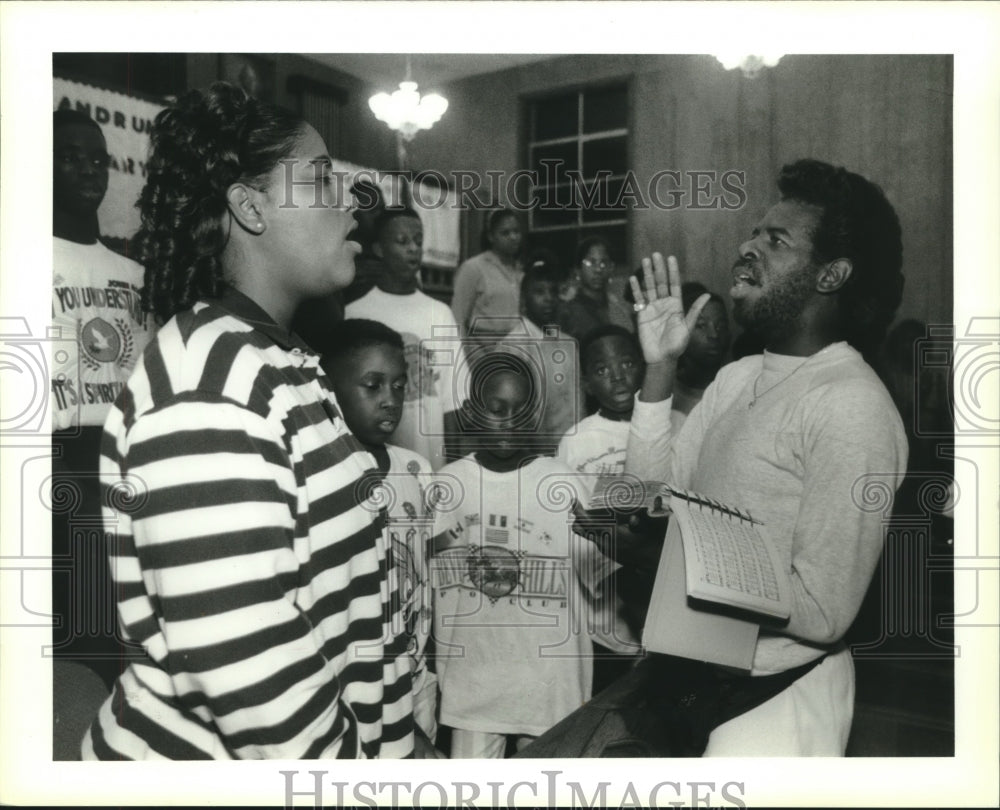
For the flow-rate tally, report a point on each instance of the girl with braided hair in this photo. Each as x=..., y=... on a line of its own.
x=253, y=582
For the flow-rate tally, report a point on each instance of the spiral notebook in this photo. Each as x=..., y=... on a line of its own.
x=717, y=580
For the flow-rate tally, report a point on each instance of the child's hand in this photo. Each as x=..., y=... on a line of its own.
x=664, y=330
x=595, y=524
x=633, y=540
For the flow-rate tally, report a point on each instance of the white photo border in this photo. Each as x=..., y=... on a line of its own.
x=31, y=32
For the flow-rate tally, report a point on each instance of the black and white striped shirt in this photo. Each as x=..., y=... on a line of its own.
x=246, y=564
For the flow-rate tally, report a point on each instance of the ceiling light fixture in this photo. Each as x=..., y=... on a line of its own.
x=750, y=64
x=405, y=111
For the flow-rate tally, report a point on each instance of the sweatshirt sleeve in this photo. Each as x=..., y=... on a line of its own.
x=657, y=451
x=647, y=455
x=207, y=577
x=853, y=439
x=466, y=290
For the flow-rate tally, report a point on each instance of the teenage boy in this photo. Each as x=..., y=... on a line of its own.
x=97, y=309
x=430, y=335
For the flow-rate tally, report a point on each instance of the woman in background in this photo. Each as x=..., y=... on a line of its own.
x=597, y=302
x=486, y=300
x=252, y=581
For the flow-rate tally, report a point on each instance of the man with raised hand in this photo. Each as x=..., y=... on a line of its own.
x=793, y=434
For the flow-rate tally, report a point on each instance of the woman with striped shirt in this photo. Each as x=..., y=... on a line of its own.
x=252, y=582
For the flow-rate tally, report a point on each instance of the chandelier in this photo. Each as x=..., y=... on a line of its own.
x=405, y=111
x=750, y=64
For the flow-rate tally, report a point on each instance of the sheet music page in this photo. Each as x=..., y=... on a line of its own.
x=675, y=628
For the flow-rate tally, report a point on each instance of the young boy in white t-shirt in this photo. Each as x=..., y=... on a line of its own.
x=511, y=580
x=368, y=370
x=612, y=368
x=430, y=335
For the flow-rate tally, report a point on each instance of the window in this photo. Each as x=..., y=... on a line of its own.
x=578, y=150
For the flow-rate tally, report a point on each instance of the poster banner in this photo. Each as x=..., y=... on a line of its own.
x=126, y=122
x=437, y=207
x=440, y=213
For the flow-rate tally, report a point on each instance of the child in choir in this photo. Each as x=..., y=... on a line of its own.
x=556, y=352
x=511, y=580
x=368, y=370
x=612, y=366
x=428, y=329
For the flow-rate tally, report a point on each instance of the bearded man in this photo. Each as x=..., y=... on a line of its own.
x=792, y=434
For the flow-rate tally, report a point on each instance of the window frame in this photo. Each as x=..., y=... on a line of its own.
x=580, y=227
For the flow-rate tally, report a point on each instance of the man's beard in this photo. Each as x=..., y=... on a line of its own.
x=778, y=311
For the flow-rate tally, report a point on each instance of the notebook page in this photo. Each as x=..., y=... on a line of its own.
x=675, y=628
x=728, y=561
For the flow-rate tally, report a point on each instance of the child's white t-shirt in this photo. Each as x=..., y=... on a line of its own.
x=406, y=488
x=595, y=451
x=512, y=583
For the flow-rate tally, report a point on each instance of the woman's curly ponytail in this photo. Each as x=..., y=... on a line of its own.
x=201, y=146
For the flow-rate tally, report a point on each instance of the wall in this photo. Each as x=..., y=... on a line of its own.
x=363, y=140
x=887, y=117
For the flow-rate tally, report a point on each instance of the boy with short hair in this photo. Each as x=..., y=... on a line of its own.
x=367, y=367
x=511, y=579
x=612, y=366
x=432, y=396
